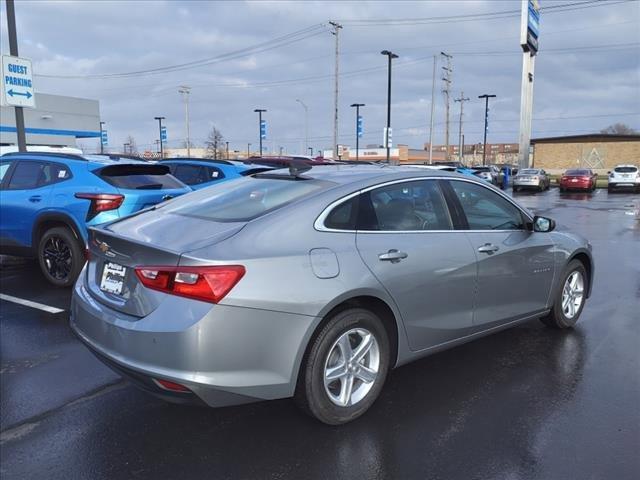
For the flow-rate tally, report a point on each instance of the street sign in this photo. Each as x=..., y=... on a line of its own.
x=360, y=128
x=263, y=129
x=17, y=82
x=163, y=134
x=530, y=26
x=104, y=138
x=387, y=141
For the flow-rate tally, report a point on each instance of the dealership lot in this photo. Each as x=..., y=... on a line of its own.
x=525, y=403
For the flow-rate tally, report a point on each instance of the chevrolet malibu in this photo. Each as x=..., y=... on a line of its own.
x=313, y=283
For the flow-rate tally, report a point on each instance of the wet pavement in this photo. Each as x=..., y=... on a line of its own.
x=528, y=402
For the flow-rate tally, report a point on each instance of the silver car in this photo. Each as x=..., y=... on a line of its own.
x=314, y=284
x=535, y=178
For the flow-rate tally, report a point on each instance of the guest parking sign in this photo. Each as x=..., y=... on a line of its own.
x=17, y=82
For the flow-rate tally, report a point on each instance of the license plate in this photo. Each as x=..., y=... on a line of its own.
x=113, y=278
x=574, y=179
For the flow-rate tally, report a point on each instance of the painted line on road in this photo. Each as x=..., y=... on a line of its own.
x=29, y=303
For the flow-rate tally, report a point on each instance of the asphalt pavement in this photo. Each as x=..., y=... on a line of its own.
x=526, y=403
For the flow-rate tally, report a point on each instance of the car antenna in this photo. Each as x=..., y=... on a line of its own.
x=296, y=168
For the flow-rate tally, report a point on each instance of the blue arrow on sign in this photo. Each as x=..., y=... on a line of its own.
x=22, y=94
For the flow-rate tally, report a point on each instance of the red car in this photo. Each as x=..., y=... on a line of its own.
x=578, y=179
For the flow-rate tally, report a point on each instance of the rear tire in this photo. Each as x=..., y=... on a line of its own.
x=567, y=307
x=331, y=388
x=60, y=256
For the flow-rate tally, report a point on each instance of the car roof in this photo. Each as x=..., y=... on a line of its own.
x=94, y=159
x=345, y=174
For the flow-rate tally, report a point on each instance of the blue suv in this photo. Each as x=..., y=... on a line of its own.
x=202, y=172
x=47, y=200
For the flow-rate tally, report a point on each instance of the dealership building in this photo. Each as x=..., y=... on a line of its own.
x=57, y=121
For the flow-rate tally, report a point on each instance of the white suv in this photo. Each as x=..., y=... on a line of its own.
x=624, y=176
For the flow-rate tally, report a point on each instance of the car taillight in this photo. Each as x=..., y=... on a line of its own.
x=101, y=202
x=209, y=284
x=585, y=179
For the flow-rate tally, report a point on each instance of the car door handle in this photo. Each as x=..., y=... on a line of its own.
x=488, y=248
x=35, y=198
x=393, y=256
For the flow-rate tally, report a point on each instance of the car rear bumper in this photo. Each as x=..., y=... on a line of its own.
x=527, y=183
x=228, y=356
x=580, y=185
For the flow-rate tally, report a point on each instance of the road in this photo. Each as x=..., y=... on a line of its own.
x=528, y=402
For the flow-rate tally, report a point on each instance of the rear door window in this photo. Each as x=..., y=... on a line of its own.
x=139, y=177
x=27, y=175
x=407, y=206
x=4, y=167
x=190, y=174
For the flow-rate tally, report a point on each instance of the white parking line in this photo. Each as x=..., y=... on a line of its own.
x=29, y=303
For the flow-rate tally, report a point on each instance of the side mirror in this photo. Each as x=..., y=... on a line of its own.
x=543, y=224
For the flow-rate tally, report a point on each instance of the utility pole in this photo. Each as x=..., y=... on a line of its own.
x=447, y=92
x=185, y=91
x=227, y=150
x=433, y=94
x=160, y=131
x=387, y=135
x=462, y=99
x=358, y=127
x=248, y=150
x=486, y=122
x=306, y=123
x=101, y=141
x=259, y=111
x=336, y=32
x=13, y=51
x=281, y=148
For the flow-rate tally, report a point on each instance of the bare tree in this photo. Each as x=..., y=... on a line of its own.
x=619, y=129
x=214, y=143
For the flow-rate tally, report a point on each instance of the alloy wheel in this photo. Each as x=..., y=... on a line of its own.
x=351, y=367
x=57, y=257
x=572, y=294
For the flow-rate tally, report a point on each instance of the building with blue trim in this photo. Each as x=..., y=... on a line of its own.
x=56, y=121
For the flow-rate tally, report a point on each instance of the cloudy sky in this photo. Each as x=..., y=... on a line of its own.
x=238, y=56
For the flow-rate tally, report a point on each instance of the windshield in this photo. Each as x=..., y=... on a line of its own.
x=529, y=171
x=139, y=177
x=578, y=172
x=482, y=169
x=244, y=199
x=625, y=169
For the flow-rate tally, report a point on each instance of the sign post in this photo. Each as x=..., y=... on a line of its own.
x=529, y=34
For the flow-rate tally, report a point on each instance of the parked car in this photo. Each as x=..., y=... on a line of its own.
x=314, y=284
x=490, y=173
x=203, y=172
x=49, y=199
x=531, y=178
x=624, y=176
x=578, y=179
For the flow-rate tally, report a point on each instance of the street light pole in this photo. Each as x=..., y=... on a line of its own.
x=227, y=150
x=125, y=147
x=185, y=91
x=101, y=142
x=357, y=106
x=259, y=111
x=160, y=132
x=248, y=150
x=390, y=56
x=310, y=151
x=306, y=123
x=486, y=119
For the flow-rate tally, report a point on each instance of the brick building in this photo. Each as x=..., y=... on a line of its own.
x=601, y=152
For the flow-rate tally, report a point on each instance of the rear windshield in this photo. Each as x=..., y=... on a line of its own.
x=625, y=169
x=139, y=177
x=529, y=171
x=578, y=172
x=243, y=199
x=482, y=169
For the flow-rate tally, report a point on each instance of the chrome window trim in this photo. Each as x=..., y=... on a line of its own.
x=319, y=223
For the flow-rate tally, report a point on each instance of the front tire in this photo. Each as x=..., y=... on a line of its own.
x=60, y=256
x=345, y=367
x=570, y=299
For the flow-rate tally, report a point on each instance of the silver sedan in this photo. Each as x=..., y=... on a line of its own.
x=535, y=178
x=313, y=284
